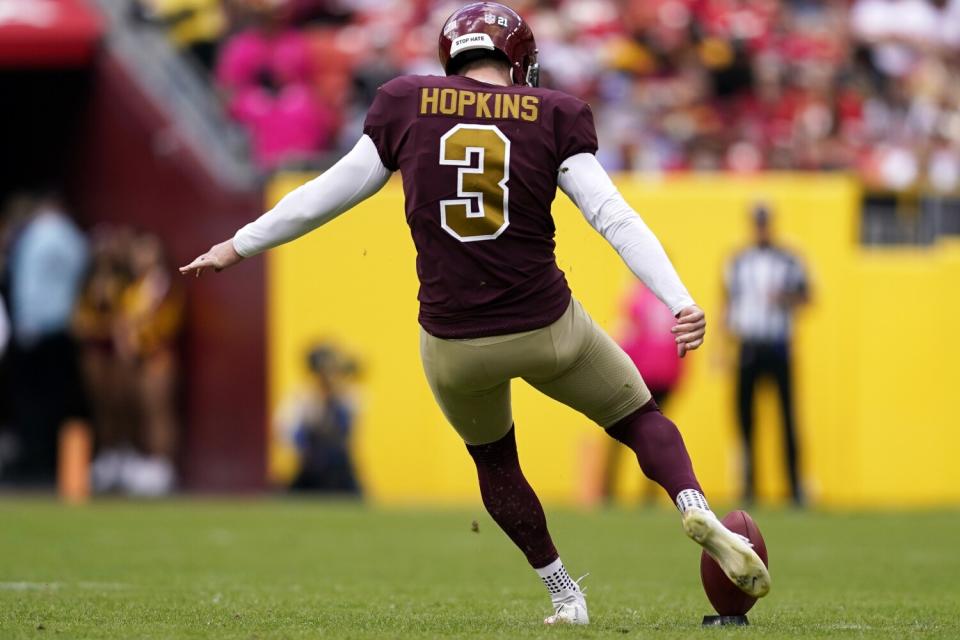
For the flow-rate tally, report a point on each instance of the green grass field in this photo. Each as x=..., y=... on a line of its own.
x=303, y=569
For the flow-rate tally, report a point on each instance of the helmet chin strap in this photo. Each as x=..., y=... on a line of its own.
x=533, y=75
x=532, y=78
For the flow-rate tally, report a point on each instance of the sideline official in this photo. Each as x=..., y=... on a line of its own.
x=765, y=284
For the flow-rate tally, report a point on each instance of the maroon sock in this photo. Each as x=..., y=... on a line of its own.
x=510, y=499
x=659, y=448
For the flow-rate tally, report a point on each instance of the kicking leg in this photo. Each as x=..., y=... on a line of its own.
x=660, y=450
x=595, y=376
x=663, y=457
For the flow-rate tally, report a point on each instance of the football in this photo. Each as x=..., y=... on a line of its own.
x=724, y=595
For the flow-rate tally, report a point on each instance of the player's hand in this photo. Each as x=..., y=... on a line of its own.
x=689, y=330
x=219, y=257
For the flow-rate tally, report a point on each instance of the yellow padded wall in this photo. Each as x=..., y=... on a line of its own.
x=867, y=351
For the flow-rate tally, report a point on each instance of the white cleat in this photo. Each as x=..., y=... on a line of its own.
x=571, y=611
x=733, y=552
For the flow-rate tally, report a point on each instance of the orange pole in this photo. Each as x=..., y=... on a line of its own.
x=73, y=461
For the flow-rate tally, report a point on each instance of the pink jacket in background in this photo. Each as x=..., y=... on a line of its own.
x=250, y=54
x=648, y=341
x=287, y=122
x=287, y=127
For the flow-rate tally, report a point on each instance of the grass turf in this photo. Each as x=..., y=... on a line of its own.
x=303, y=569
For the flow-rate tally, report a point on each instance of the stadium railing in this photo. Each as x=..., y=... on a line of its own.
x=173, y=82
x=908, y=217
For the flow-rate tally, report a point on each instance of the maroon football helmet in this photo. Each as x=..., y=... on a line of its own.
x=493, y=27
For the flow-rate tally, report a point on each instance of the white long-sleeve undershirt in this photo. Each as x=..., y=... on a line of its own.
x=356, y=177
x=360, y=174
x=586, y=183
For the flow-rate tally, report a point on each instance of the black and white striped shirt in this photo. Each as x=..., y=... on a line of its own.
x=756, y=280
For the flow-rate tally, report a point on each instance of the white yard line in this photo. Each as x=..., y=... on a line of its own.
x=29, y=586
x=53, y=586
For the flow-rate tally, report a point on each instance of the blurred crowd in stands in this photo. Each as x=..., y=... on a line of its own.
x=676, y=85
x=89, y=331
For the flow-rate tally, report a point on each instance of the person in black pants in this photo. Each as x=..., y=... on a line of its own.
x=765, y=284
x=47, y=257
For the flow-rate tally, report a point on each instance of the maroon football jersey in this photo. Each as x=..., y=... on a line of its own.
x=479, y=165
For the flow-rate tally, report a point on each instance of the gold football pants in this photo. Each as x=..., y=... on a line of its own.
x=572, y=360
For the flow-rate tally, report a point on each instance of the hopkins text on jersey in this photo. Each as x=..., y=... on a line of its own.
x=435, y=101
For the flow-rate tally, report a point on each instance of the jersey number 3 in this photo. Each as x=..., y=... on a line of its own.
x=481, y=209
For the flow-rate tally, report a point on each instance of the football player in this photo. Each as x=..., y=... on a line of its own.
x=481, y=152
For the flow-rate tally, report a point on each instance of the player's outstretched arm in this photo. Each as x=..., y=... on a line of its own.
x=585, y=182
x=356, y=177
